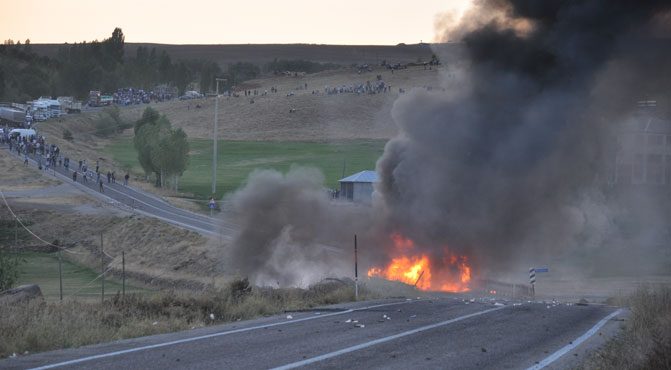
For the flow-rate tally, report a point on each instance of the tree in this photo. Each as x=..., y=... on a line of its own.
x=9, y=269
x=174, y=150
x=208, y=73
x=162, y=150
x=242, y=71
x=116, y=45
x=2, y=82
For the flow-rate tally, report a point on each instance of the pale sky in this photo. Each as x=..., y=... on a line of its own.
x=379, y=22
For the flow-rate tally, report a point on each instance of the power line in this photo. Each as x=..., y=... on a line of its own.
x=30, y=231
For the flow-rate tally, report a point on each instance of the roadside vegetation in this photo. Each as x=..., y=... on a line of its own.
x=9, y=269
x=79, y=281
x=645, y=341
x=10, y=262
x=108, y=123
x=36, y=325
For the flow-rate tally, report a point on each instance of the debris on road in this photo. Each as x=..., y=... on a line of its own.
x=289, y=317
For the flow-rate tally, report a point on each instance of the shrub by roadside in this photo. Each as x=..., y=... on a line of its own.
x=645, y=342
x=40, y=326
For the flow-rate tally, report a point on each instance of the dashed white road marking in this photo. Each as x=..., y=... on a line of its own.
x=382, y=340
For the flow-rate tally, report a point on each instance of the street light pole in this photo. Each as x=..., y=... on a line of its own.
x=214, y=137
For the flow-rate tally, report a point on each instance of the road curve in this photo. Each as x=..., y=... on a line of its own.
x=441, y=333
x=136, y=200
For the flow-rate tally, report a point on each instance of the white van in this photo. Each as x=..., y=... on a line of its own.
x=22, y=132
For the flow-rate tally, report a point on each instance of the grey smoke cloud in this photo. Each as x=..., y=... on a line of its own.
x=509, y=165
x=290, y=233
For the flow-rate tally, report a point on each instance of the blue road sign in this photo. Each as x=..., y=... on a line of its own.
x=542, y=269
x=212, y=204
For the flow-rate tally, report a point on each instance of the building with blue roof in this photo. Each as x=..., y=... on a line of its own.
x=358, y=187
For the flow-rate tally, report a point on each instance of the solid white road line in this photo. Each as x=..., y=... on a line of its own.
x=568, y=348
x=213, y=335
x=168, y=220
x=382, y=340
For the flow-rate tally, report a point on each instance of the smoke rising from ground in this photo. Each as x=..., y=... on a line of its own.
x=512, y=164
x=288, y=228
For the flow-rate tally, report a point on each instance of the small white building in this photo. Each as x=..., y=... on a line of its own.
x=358, y=187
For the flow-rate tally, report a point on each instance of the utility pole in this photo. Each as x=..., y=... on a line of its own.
x=123, y=274
x=356, y=272
x=102, y=269
x=60, y=273
x=214, y=137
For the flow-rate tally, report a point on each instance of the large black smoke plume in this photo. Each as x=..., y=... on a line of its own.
x=510, y=164
x=512, y=161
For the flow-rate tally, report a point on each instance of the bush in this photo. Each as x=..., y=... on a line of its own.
x=645, y=341
x=109, y=122
x=67, y=135
x=40, y=326
x=9, y=269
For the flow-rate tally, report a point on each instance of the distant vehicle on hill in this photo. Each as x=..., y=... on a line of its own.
x=96, y=99
x=191, y=95
x=69, y=104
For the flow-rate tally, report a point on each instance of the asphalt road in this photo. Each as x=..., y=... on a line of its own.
x=440, y=333
x=132, y=199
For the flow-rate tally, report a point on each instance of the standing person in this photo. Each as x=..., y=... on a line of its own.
x=109, y=177
x=74, y=176
x=125, y=179
x=113, y=178
x=100, y=183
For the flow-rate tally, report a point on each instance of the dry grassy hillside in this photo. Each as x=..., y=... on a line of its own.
x=316, y=117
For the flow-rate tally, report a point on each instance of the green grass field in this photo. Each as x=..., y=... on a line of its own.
x=236, y=159
x=42, y=269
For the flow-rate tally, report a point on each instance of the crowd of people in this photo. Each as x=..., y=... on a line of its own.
x=375, y=87
x=48, y=156
x=130, y=96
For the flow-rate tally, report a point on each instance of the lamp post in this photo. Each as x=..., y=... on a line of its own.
x=214, y=137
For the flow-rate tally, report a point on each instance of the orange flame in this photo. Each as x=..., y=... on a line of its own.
x=452, y=274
